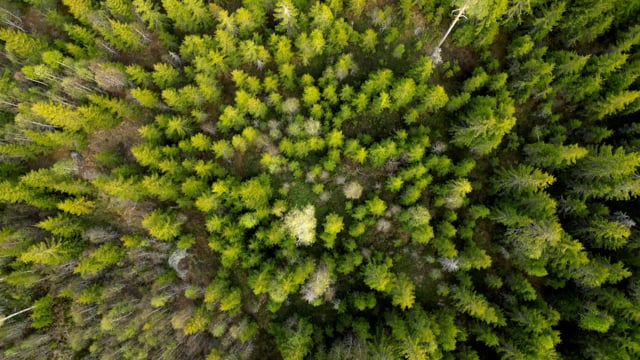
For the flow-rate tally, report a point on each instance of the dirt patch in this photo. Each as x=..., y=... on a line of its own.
x=119, y=139
x=129, y=213
x=467, y=59
x=153, y=53
x=35, y=21
x=499, y=47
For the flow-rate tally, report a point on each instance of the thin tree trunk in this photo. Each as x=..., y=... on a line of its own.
x=16, y=314
x=461, y=10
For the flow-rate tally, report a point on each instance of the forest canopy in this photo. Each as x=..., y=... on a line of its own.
x=303, y=179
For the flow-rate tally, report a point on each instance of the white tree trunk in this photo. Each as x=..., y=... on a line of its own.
x=435, y=55
x=5, y=318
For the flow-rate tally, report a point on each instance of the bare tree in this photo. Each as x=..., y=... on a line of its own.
x=5, y=318
x=435, y=55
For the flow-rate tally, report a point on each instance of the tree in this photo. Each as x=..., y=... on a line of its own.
x=77, y=206
x=594, y=319
x=165, y=75
x=188, y=15
x=379, y=277
x=549, y=18
x=535, y=238
x=353, y=190
x=613, y=103
x=340, y=35
x=417, y=334
x=125, y=37
x=249, y=19
x=333, y=225
x=476, y=305
x=310, y=45
x=436, y=57
x=486, y=13
x=301, y=224
x=4, y=318
x=321, y=16
x=523, y=179
x=121, y=187
x=42, y=314
x=369, y=40
x=253, y=53
x=605, y=163
x=403, y=92
x=20, y=46
x=63, y=225
x=162, y=224
x=484, y=124
x=254, y=194
x=403, y=292
x=286, y=14
x=552, y=155
x=310, y=96
x=104, y=256
x=178, y=127
x=50, y=252
x=59, y=115
x=317, y=284
x=294, y=342
x=146, y=97
x=381, y=152
x=610, y=235
x=456, y=191
x=589, y=20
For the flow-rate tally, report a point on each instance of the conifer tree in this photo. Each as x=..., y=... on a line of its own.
x=523, y=179
x=189, y=15
x=163, y=225
x=552, y=155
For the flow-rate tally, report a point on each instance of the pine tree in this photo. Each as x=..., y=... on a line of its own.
x=552, y=155
x=476, y=305
x=165, y=75
x=63, y=225
x=255, y=194
x=178, y=127
x=613, y=103
x=332, y=226
x=605, y=163
x=162, y=224
x=379, y=277
x=51, y=252
x=523, y=179
x=535, y=238
x=125, y=37
x=485, y=123
x=294, y=342
x=161, y=186
x=104, y=256
x=42, y=314
x=20, y=46
x=138, y=75
x=403, y=292
x=286, y=14
x=456, y=191
x=610, y=235
x=188, y=15
x=403, y=92
x=146, y=98
x=59, y=115
x=77, y=206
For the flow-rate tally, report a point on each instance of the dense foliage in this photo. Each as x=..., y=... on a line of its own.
x=303, y=179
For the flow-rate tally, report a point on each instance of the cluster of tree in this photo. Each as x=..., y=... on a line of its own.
x=334, y=180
